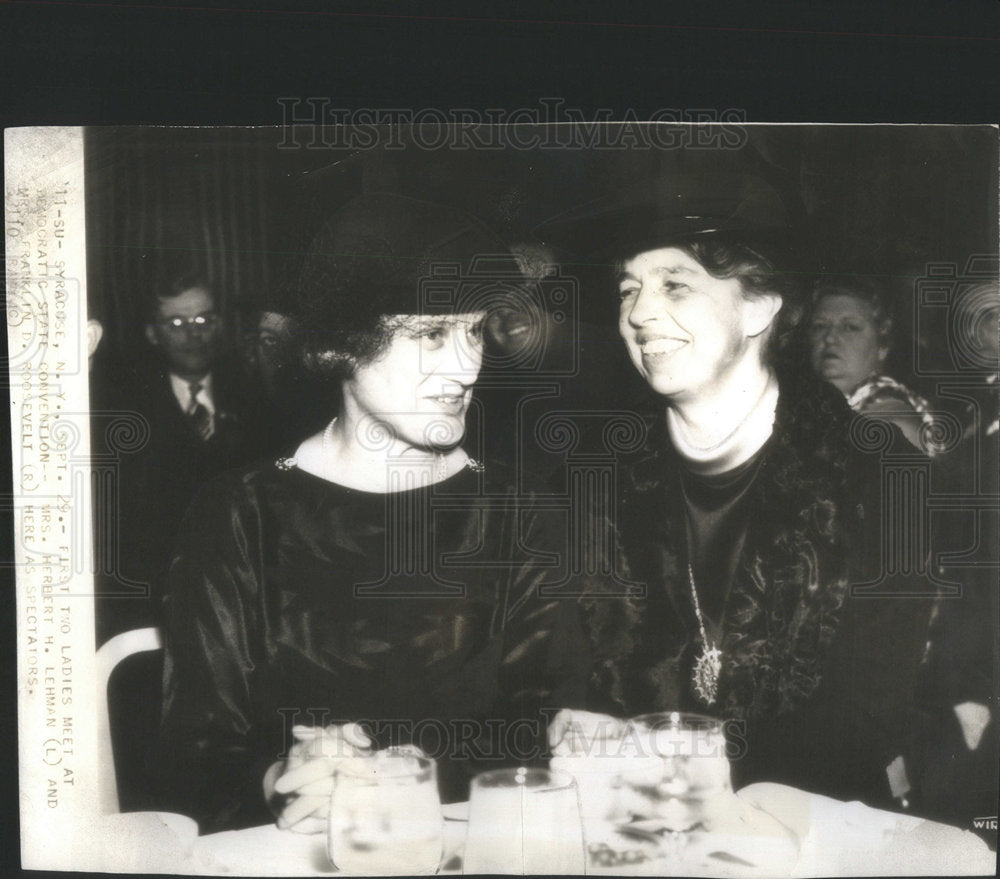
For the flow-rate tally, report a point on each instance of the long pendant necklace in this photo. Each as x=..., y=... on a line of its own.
x=708, y=665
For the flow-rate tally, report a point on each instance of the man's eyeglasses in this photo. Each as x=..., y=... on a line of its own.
x=206, y=321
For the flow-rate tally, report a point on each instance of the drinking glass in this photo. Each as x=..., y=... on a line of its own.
x=596, y=764
x=524, y=821
x=686, y=780
x=385, y=815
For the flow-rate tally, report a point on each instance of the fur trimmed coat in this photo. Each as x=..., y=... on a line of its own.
x=821, y=641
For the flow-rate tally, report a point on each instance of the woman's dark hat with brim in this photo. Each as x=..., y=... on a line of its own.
x=740, y=208
x=400, y=255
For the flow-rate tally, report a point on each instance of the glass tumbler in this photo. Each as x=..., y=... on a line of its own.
x=385, y=815
x=524, y=821
x=685, y=778
x=597, y=765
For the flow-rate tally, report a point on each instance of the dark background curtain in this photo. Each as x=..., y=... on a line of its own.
x=162, y=202
x=238, y=204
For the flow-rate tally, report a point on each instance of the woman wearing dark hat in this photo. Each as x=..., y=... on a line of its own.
x=751, y=514
x=378, y=586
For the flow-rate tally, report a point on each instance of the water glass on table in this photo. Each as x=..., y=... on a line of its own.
x=597, y=758
x=524, y=821
x=687, y=779
x=385, y=815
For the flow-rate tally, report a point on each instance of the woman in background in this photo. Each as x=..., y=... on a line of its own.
x=849, y=338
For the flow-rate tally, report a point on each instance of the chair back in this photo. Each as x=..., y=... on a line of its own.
x=109, y=657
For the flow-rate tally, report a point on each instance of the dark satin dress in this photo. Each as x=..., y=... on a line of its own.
x=422, y=614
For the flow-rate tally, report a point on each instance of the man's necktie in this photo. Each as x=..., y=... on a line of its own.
x=200, y=417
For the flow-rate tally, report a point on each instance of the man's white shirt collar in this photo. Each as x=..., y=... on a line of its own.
x=182, y=391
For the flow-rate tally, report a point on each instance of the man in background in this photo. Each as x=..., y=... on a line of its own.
x=184, y=329
x=163, y=425
x=200, y=418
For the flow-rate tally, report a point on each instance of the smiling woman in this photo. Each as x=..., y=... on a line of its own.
x=379, y=586
x=686, y=331
x=751, y=510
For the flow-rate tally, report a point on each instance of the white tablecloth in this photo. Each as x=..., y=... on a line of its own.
x=781, y=832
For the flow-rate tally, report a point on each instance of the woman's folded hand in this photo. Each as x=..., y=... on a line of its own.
x=301, y=785
x=580, y=732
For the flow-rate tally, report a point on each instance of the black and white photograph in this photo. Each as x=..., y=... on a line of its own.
x=405, y=494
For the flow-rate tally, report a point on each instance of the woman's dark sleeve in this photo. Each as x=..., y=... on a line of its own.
x=864, y=712
x=566, y=634
x=209, y=758
x=544, y=661
x=963, y=644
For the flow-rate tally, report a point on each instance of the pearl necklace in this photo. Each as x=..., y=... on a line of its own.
x=752, y=431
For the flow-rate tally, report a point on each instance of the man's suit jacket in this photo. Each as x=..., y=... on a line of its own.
x=157, y=482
